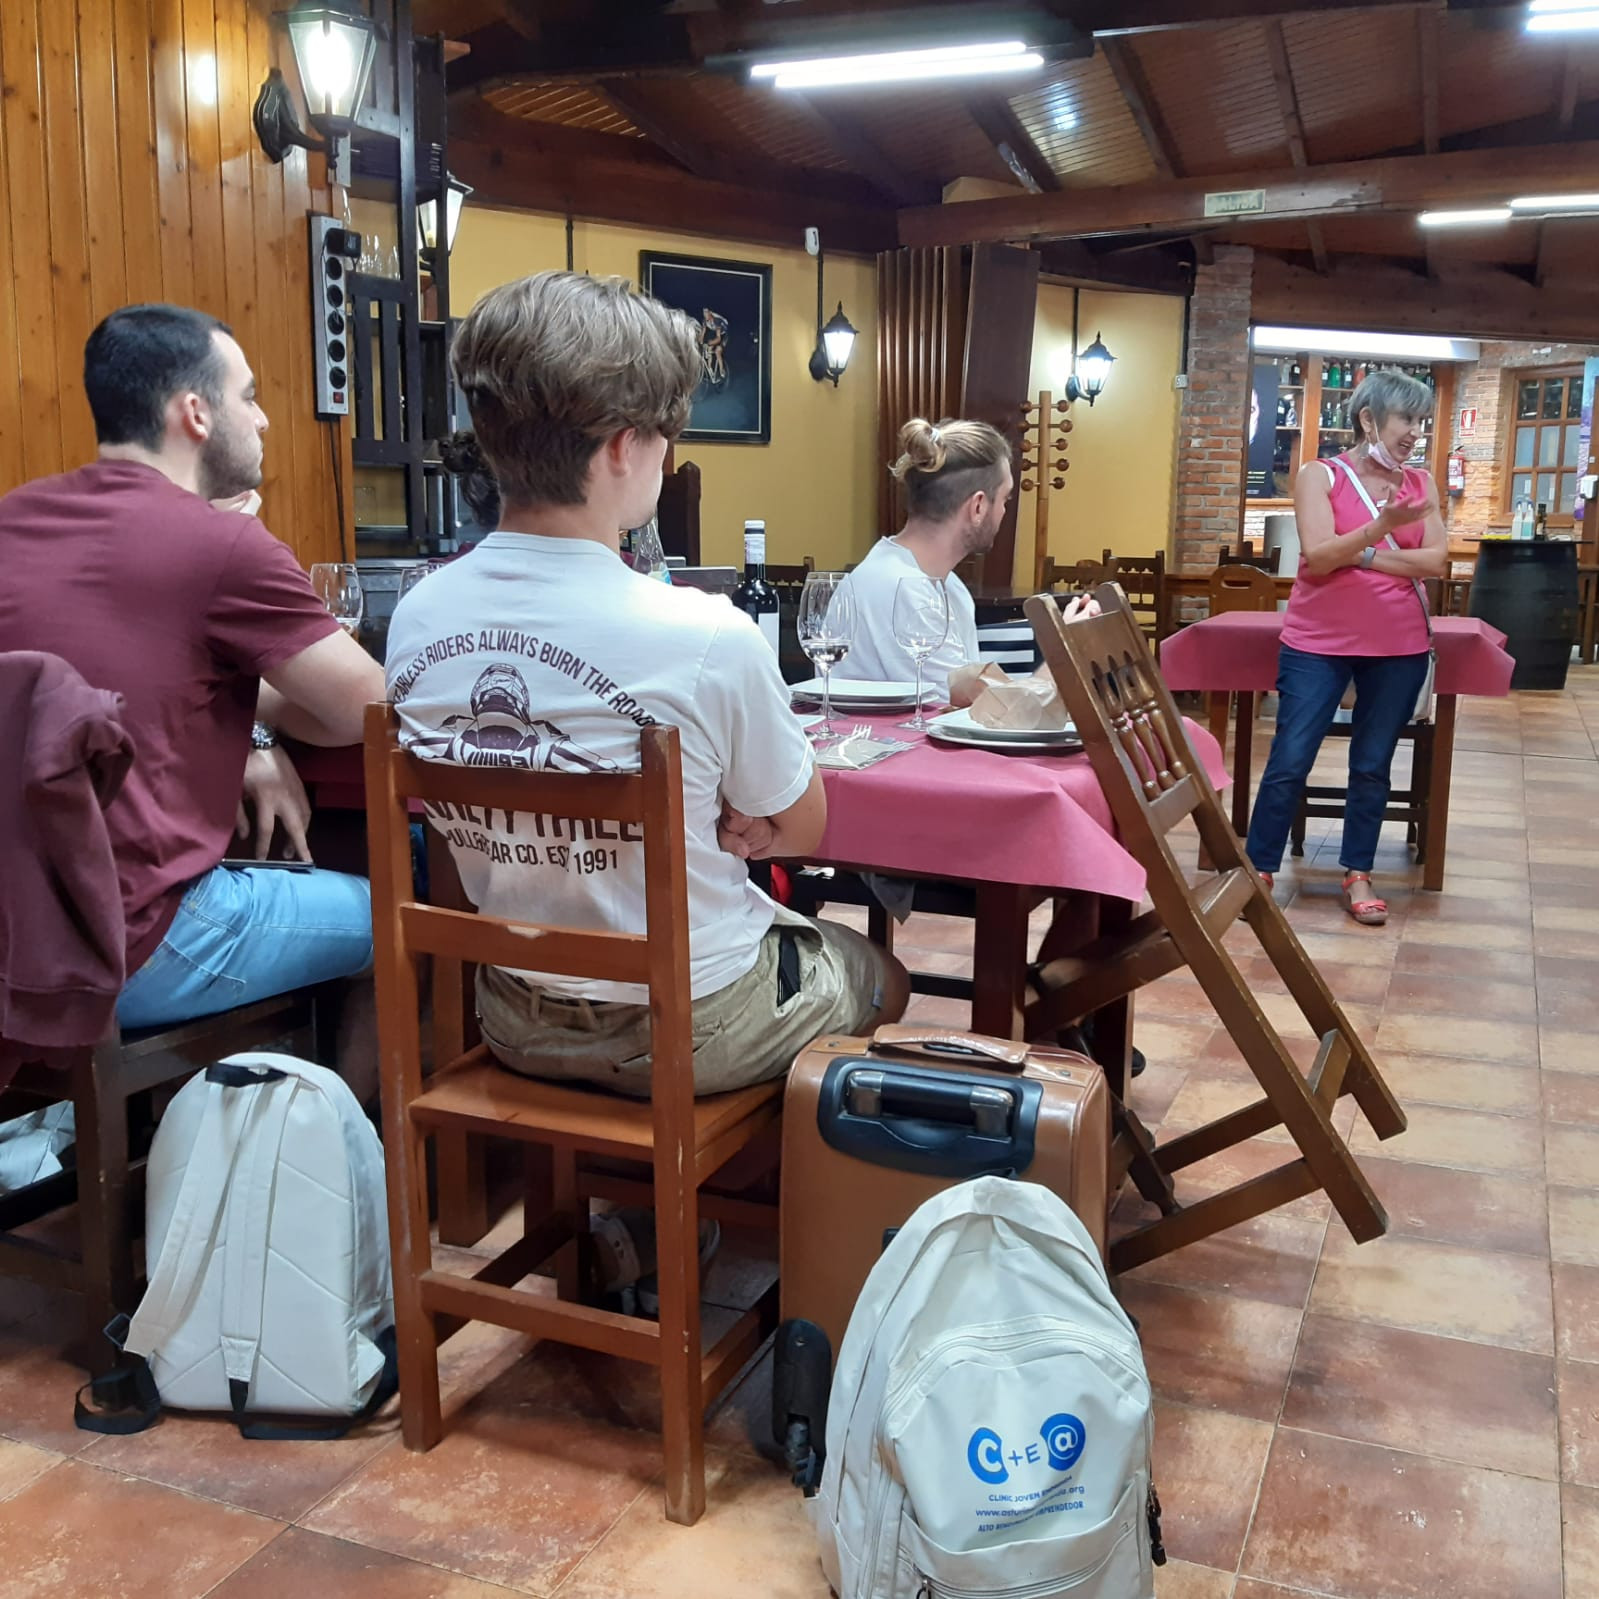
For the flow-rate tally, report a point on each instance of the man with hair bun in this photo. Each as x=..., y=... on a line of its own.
x=958, y=481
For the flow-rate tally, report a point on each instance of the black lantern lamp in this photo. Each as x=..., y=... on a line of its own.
x=835, y=339
x=1087, y=382
x=451, y=199
x=335, y=44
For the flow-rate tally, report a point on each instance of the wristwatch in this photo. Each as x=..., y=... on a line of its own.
x=1368, y=555
x=263, y=737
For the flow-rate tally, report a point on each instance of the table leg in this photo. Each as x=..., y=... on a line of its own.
x=999, y=959
x=1443, y=760
x=1243, y=742
x=1113, y=1024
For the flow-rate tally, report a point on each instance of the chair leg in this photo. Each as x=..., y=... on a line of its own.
x=105, y=1214
x=462, y=1186
x=551, y=1189
x=681, y=1369
x=416, y=1335
x=880, y=926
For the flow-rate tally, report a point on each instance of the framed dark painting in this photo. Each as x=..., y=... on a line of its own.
x=730, y=302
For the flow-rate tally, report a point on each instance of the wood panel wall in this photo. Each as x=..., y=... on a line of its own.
x=129, y=171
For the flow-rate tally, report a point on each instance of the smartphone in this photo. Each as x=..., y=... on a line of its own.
x=240, y=861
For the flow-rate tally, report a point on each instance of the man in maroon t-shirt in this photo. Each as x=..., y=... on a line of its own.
x=204, y=623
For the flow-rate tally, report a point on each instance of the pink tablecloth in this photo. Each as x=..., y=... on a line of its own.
x=1042, y=820
x=1237, y=651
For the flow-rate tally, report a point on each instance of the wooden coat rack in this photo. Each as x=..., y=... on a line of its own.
x=1045, y=424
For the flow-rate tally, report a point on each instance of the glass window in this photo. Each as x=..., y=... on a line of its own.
x=1520, y=488
x=1526, y=401
x=1573, y=444
x=1526, y=443
x=1554, y=398
x=1546, y=489
x=1548, y=447
x=1540, y=457
x=1574, y=397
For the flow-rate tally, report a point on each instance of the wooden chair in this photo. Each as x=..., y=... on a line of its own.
x=1143, y=581
x=1134, y=737
x=791, y=577
x=1079, y=576
x=1236, y=586
x=110, y=1087
x=1408, y=805
x=686, y=1139
x=677, y=513
x=1266, y=561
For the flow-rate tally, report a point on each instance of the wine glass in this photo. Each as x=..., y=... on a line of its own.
x=413, y=575
x=826, y=631
x=338, y=586
x=921, y=624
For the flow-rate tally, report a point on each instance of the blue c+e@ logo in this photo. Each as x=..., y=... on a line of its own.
x=1063, y=1441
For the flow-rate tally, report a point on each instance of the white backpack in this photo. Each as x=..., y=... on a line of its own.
x=268, y=1249
x=990, y=1423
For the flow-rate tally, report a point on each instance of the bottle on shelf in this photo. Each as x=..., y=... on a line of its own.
x=1521, y=520
x=755, y=596
x=1540, y=525
x=1296, y=375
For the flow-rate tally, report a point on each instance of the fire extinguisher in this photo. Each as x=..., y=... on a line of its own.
x=1457, y=472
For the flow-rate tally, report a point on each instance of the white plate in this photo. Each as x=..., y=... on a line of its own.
x=983, y=739
x=858, y=691
x=962, y=725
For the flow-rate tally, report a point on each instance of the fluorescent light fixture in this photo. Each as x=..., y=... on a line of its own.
x=1555, y=202
x=1475, y=217
x=1562, y=16
x=900, y=66
x=1346, y=341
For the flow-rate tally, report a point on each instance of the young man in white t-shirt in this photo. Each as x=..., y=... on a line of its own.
x=958, y=480
x=540, y=648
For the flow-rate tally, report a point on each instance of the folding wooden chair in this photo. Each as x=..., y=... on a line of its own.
x=1134, y=737
x=686, y=1139
x=1143, y=581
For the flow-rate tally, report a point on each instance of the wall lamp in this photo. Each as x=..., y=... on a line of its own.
x=1091, y=369
x=335, y=44
x=452, y=197
x=835, y=339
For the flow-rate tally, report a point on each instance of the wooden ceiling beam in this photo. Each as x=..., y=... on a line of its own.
x=630, y=97
x=1105, y=18
x=574, y=171
x=1160, y=270
x=1129, y=74
x=1427, y=58
x=855, y=146
x=1282, y=74
x=1468, y=302
x=1012, y=143
x=1395, y=183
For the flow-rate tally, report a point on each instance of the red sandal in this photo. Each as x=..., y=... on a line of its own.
x=1368, y=912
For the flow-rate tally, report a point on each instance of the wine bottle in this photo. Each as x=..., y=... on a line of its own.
x=1295, y=375
x=755, y=596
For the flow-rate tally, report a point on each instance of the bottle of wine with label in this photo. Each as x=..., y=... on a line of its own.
x=755, y=596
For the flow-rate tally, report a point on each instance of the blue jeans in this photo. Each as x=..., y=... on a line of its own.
x=245, y=934
x=1309, y=688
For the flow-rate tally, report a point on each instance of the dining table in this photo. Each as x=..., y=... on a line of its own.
x=1236, y=652
x=1017, y=828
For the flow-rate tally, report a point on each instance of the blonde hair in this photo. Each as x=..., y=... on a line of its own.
x=943, y=464
x=554, y=364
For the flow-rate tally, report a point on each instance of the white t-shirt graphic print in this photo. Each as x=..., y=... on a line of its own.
x=551, y=654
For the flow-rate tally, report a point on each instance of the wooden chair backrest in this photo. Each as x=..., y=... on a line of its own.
x=1241, y=587
x=1133, y=732
x=1143, y=581
x=1077, y=575
x=1267, y=561
x=643, y=807
x=790, y=576
x=677, y=513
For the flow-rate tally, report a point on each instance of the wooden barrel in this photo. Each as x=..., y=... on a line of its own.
x=1527, y=588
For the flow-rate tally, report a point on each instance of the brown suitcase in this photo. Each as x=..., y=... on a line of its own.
x=871, y=1128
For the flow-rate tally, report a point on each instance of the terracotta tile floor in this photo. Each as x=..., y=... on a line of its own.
x=1416, y=1418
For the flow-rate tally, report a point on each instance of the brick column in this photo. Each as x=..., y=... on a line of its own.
x=1210, y=445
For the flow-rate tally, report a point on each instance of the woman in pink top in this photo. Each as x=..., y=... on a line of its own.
x=1369, y=532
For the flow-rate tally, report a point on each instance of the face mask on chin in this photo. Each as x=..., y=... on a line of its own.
x=1378, y=453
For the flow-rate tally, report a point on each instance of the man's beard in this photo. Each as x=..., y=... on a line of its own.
x=981, y=538
x=228, y=466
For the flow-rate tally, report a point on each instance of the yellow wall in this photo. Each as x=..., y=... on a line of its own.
x=1122, y=450
x=815, y=484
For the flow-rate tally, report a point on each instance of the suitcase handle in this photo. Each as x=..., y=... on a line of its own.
x=948, y=1042
x=935, y=1123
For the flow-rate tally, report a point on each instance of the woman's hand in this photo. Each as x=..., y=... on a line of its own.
x=1395, y=513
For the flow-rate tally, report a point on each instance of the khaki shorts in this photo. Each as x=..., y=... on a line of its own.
x=742, y=1034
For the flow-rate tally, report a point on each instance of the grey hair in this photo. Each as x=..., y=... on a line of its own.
x=1386, y=392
